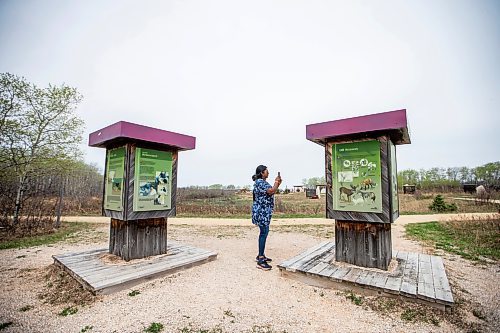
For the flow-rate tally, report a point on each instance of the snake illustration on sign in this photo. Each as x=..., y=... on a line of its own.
x=153, y=180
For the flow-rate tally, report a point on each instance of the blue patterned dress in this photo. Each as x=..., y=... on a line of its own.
x=263, y=204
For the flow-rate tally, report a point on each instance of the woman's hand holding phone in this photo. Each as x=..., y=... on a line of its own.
x=278, y=179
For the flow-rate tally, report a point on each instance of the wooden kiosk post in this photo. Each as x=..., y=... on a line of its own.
x=361, y=176
x=140, y=185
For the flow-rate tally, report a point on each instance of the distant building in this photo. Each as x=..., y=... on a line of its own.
x=320, y=189
x=298, y=188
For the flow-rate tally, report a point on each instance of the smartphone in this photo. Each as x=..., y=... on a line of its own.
x=279, y=174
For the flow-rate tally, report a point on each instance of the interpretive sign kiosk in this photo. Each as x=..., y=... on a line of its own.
x=361, y=176
x=140, y=184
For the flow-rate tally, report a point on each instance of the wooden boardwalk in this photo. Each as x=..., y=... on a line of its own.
x=418, y=277
x=101, y=277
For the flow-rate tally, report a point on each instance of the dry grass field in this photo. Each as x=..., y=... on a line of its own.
x=239, y=205
x=296, y=205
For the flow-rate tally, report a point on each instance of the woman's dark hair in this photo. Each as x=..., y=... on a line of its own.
x=258, y=172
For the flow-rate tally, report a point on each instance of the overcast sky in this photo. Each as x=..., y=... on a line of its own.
x=246, y=77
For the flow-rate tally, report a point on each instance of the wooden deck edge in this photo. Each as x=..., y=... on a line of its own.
x=73, y=254
x=105, y=290
x=109, y=289
x=367, y=290
x=84, y=283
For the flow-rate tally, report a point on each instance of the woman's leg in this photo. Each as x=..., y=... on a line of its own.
x=264, y=230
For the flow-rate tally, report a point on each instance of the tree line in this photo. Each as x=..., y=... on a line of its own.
x=434, y=178
x=41, y=171
x=453, y=177
x=39, y=153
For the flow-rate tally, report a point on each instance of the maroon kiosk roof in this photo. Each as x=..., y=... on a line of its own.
x=392, y=123
x=125, y=131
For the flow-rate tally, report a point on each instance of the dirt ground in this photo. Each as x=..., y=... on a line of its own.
x=230, y=294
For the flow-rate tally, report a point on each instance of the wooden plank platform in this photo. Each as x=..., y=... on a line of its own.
x=417, y=277
x=103, y=277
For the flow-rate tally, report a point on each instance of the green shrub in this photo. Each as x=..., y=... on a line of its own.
x=26, y=308
x=134, y=293
x=68, y=311
x=5, y=325
x=440, y=206
x=358, y=300
x=154, y=328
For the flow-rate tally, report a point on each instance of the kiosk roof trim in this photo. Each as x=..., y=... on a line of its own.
x=394, y=123
x=122, y=130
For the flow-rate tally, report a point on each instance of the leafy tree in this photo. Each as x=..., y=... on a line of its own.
x=312, y=182
x=38, y=129
x=449, y=178
x=465, y=174
x=489, y=173
x=11, y=88
x=409, y=176
x=452, y=173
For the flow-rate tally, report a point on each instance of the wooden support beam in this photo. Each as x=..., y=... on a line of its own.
x=363, y=244
x=137, y=239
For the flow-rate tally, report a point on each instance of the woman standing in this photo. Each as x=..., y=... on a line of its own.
x=262, y=210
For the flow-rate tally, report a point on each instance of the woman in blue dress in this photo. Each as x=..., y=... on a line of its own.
x=262, y=210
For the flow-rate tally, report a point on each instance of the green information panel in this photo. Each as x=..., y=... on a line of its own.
x=153, y=177
x=357, y=177
x=394, y=179
x=113, y=188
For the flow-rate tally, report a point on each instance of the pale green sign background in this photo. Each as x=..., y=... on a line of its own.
x=394, y=179
x=152, y=180
x=357, y=177
x=113, y=185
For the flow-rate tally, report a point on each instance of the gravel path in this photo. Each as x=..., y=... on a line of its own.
x=231, y=295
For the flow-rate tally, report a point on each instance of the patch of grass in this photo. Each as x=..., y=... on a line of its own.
x=384, y=305
x=70, y=310
x=471, y=239
x=134, y=293
x=434, y=321
x=26, y=308
x=64, y=232
x=262, y=329
x=478, y=314
x=409, y=315
x=228, y=313
x=5, y=325
x=409, y=312
x=419, y=315
x=86, y=329
x=189, y=329
x=154, y=328
x=358, y=300
x=413, y=213
x=62, y=289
